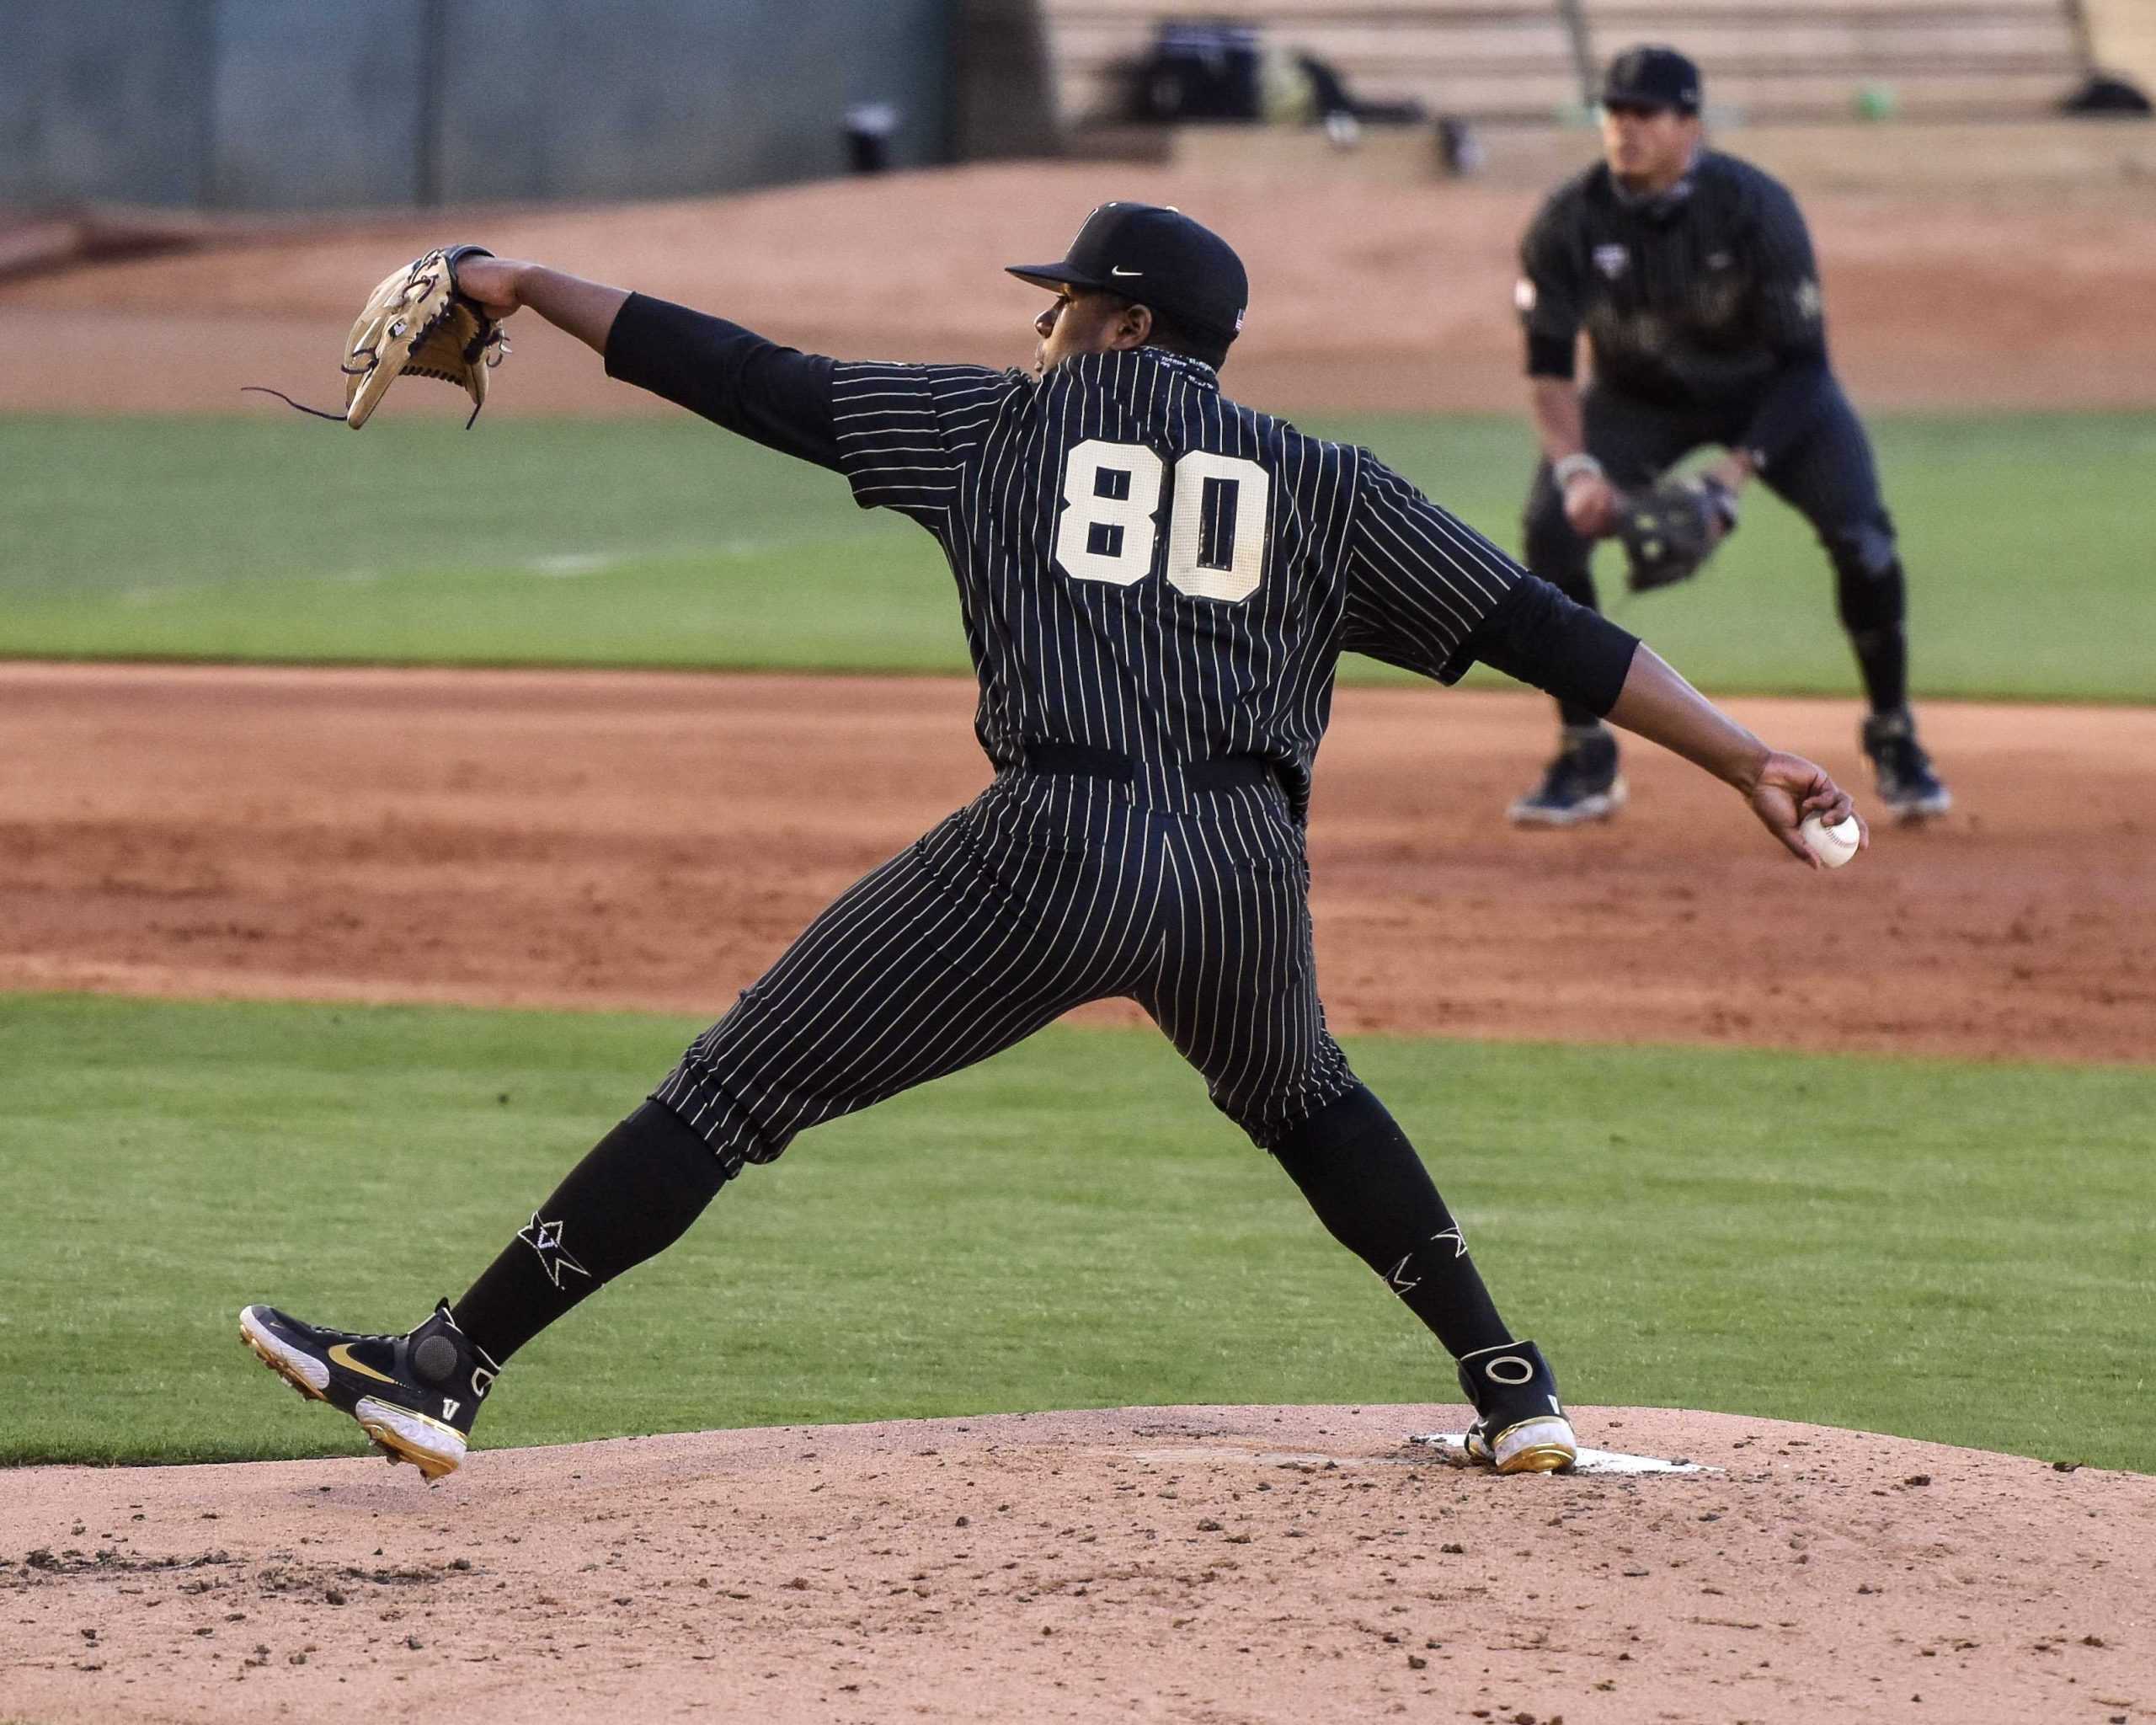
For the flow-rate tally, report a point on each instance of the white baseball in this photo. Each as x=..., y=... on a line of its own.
x=1831, y=845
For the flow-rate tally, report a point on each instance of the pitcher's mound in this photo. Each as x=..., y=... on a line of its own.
x=1302, y=1564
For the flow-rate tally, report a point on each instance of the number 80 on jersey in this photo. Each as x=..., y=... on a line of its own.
x=1216, y=528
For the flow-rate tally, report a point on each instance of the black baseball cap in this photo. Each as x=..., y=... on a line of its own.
x=1157, y=256
x=1652, y=77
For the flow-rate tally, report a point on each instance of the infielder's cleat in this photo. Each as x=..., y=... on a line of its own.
x=1520, y=1426
x=414, y=1395
x=1582, y=784
x=1907, y=785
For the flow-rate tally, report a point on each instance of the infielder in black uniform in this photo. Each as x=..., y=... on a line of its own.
x=1155, y=584
x=1691, y=275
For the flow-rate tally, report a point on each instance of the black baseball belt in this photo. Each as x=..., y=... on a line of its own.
x=1221, y=772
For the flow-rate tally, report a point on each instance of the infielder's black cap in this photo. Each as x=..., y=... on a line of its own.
x=1159, y=258
x=1652, y=77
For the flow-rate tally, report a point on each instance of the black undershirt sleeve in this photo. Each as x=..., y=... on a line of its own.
x=1548, y=295
x=1538, y=635
x=1552, y=355
x=775, y=396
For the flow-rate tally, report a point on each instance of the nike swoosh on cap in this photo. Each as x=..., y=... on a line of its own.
x=1116, y=269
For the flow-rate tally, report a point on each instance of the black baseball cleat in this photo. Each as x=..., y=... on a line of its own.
x=1519, y=1426
x=1582, y=784
x=1907, y=785
x=414, y=1395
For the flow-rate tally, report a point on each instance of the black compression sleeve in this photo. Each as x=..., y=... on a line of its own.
x=1551, y=356
x=775, y=396
x=1540, y=637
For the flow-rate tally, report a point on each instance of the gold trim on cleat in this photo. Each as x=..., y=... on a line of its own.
x=1541, y=1458
x=380, y=1421
x=1546, y=1445
x=394, y=1449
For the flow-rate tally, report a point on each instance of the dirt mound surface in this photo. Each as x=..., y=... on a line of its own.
x=579, y=839
x=1190, y=1563
x=1365, y=294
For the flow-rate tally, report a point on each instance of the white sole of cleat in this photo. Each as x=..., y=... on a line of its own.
x=434, y=1449
x=1915, y=813
x=302, y=1371
x=1527, y=812
x=1535, y=1446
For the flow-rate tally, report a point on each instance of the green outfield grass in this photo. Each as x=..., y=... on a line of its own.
x=665, y=542
x=1945, y=1252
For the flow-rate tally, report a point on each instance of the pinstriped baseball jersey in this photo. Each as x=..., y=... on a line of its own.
x=1157, y=584
x=1146, y=566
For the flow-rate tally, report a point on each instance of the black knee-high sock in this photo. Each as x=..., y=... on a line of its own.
x=1874, y=603
x=1883, y=660
x=1371, y=1191
x=633, y=1197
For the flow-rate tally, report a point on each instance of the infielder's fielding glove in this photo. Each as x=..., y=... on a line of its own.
x=417, y=323
x=1670, y=531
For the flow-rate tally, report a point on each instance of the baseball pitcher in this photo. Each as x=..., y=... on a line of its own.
x=1156, y=583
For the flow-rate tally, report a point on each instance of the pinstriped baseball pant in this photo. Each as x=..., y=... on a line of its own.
x=1046, y=892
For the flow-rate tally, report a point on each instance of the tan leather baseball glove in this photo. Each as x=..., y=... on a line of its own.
x=416, y=324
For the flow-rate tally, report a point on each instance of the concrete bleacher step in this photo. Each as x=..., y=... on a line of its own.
x=1520, y=59
x=2044, y=156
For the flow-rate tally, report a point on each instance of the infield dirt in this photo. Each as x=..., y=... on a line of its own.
x=603, y=839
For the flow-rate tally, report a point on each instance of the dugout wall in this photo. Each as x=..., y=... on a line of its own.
x=289, y=104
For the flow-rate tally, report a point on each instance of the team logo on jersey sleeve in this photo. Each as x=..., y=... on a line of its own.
x=1612, y=261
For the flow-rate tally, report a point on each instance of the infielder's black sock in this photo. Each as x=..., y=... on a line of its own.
x=633, y=1197
x=1873, y=602
x=1882, y=659
x=1371, y=1191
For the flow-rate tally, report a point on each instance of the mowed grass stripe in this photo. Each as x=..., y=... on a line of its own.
x=664, y=542
x=1947, y=1252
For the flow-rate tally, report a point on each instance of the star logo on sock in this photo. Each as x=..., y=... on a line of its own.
x=545, y=1238
x=1400, y=1282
